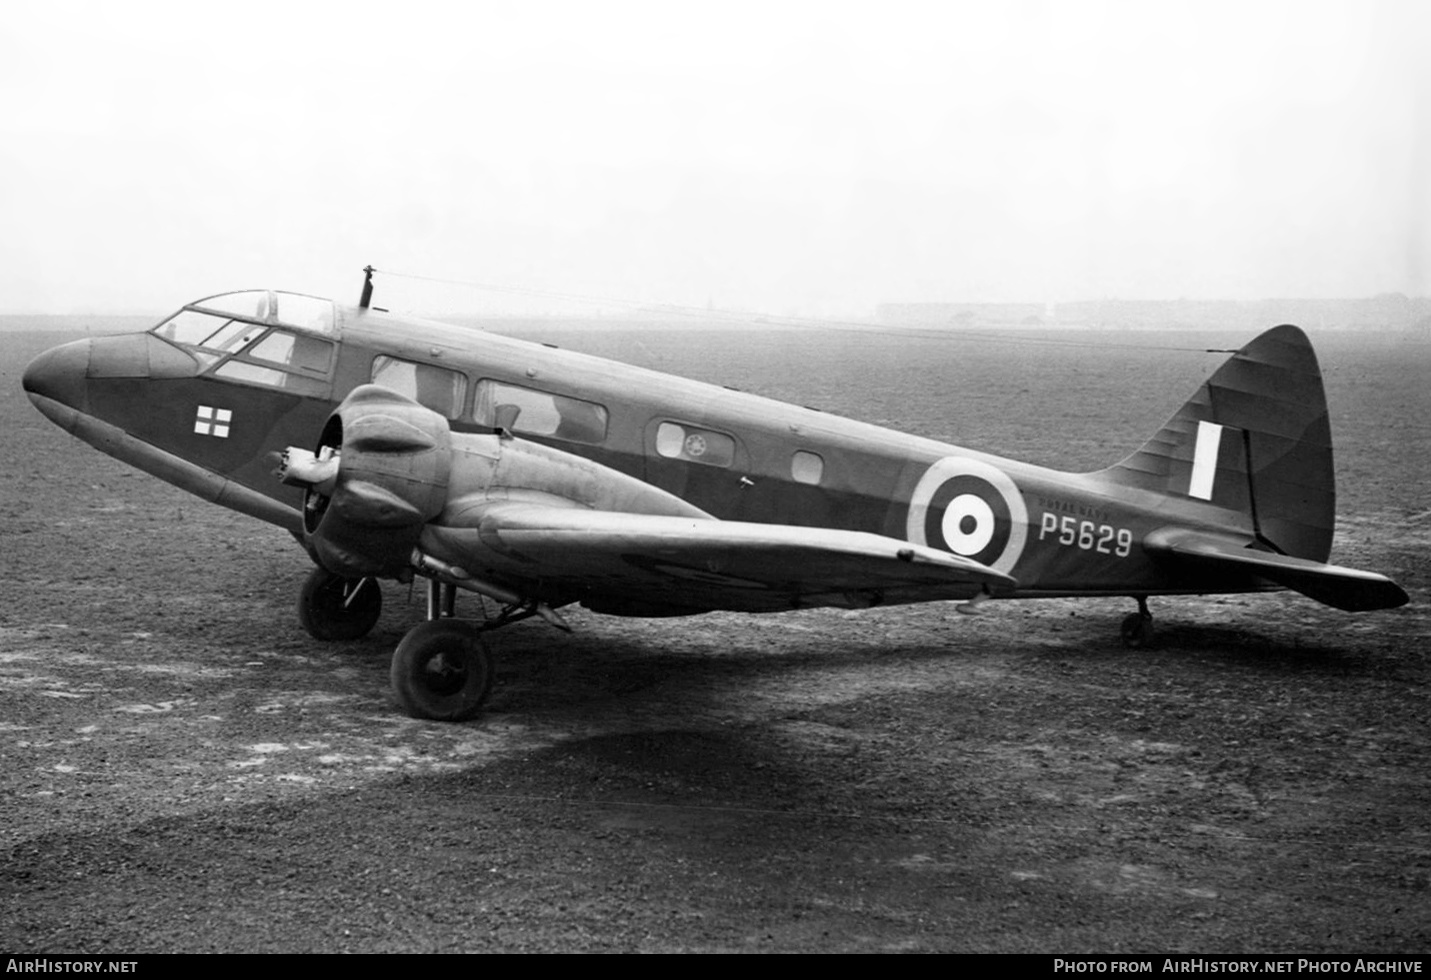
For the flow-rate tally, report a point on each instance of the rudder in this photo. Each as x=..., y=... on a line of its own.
x=1256, y=439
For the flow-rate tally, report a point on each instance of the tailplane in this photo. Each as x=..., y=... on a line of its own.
x=1254, y=439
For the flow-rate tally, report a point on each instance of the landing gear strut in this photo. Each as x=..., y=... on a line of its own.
x=332, y=607
x=1137, y=627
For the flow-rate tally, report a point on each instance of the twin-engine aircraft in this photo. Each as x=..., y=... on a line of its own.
x=538, y=477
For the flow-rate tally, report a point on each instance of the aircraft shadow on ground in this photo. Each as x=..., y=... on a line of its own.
x=550, y=668
x=1249, y=647
x=543, y=672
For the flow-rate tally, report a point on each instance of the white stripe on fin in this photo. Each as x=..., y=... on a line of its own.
x=1209, y=437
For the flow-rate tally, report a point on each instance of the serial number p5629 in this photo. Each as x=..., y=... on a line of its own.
x=1074, y=533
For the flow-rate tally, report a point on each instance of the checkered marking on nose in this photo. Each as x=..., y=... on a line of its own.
x=213, y=421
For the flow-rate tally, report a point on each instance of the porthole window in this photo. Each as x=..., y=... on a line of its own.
x=676, y=441
x=807, y=467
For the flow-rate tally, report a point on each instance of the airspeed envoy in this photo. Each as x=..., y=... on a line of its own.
x=539, y=477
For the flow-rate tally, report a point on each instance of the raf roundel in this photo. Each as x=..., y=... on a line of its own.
x=972, y=509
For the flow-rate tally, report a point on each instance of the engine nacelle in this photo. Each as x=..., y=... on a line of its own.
x=379, y=475
x=386, y=468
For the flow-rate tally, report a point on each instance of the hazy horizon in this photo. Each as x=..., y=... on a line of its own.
x=1387, y=312
x=615, y=309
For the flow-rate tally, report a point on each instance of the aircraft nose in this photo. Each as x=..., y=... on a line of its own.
x=59, y=375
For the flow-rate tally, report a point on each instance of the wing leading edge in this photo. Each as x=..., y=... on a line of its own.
x=1349, y=589
x=658, y=565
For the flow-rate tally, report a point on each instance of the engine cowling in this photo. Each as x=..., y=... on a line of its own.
x=380, y=473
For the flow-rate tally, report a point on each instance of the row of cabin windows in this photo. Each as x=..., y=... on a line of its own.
x=676, y=440
x=522, y=410
x=527, y=411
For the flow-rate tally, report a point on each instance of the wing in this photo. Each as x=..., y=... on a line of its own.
x=646, y=565
x=1345, y=588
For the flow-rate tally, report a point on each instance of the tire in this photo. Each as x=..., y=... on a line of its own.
x=442, y=671
x=1137, y=631
x=331, y=607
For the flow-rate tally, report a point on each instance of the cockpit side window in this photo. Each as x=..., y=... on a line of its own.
x=231, y=336
x=294, y=362
x=214, y=336
x=297, y=352
x=308, y=312
x=253, y=374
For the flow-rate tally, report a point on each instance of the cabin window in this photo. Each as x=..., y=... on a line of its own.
x=437, y=388
x=539, y=413
x=807, y=467
x=677, y=441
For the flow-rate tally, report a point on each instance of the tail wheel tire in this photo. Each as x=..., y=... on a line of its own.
x=442, y=671
x=332, y=607
x=1137, y=631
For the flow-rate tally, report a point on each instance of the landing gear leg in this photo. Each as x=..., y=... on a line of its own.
x=1137, y=628
x=970, y=607
x=441, y=599
x=332, y=607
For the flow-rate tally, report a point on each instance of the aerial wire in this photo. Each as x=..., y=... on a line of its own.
x=805, y=323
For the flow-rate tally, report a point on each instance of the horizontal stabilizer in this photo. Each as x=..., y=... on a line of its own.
x=659, y=565
x=1344, y=588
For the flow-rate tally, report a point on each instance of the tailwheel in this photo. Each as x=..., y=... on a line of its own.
x=332, y=607
x=442, y=671
x=1137, y=629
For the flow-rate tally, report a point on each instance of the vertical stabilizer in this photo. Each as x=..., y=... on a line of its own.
x=1255, y=438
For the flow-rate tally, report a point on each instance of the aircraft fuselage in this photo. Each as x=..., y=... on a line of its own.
x=214, y=422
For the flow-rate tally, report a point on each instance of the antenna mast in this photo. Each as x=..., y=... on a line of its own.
x=367, y=299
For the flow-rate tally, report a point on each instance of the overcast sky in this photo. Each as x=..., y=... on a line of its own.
x=816, y=158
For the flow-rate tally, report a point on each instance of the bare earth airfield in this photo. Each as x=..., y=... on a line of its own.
x=183, y=769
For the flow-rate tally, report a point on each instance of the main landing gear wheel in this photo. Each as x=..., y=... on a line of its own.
x=332, y=607
x=1137, y=627
x=442, y=671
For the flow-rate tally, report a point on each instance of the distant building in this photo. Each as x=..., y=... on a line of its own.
x=1388, y=311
